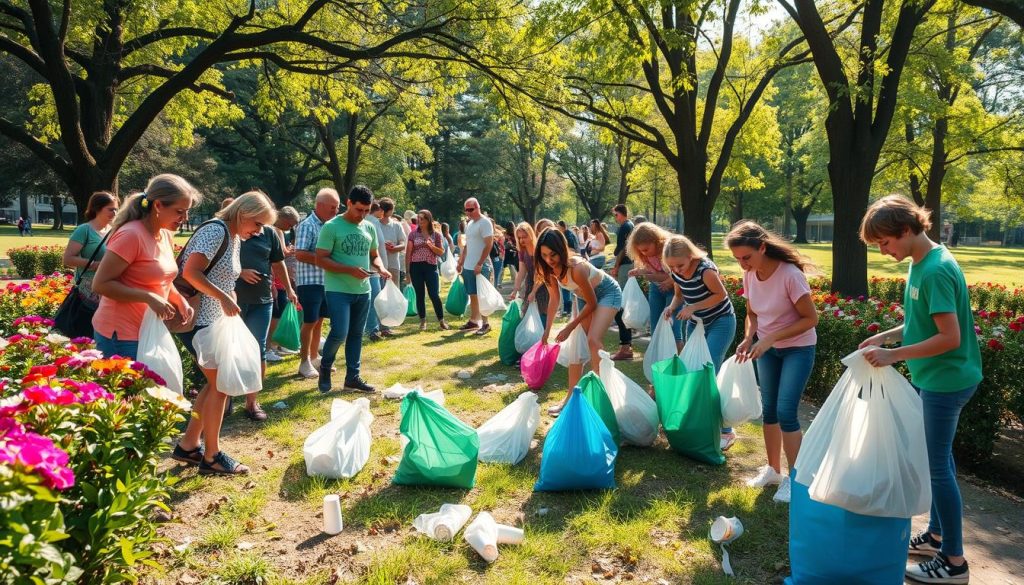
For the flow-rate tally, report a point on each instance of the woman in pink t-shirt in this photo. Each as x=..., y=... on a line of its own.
x=138, y=269
x=779, y=336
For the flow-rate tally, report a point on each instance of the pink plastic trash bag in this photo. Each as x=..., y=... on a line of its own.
x=537, y=364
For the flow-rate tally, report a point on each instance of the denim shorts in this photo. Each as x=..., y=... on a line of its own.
x=280, y=302
x=111, y=346
x=608, y=294
x=313, y=301
x=469, y=278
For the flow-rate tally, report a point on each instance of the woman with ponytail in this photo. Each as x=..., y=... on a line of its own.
x=139, y=268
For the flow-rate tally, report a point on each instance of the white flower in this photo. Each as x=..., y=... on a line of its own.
x=170, y=396
x=4, y=343
x=57, y=339
x=24, y=331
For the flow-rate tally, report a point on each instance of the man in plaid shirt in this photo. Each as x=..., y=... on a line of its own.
x=310, y=280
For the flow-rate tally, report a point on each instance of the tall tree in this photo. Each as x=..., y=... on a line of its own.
x=861, y=111
x=591, y=165
x=107, y=69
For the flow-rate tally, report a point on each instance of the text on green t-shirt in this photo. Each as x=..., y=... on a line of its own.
x=350, y=244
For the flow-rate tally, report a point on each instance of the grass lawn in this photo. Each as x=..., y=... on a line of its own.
x=653, y=526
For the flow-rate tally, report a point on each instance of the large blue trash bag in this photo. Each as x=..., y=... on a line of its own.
x=579, y=452
x=860, y=550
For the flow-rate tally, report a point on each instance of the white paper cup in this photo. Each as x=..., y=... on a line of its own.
x=482, y=535
x=451, y=519
x=332, y=514
x=509, y=534
x=724, y=530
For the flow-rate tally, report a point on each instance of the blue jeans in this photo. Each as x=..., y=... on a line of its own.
x=719, y=334
x=348, y=318
x=257, y=321
x=372, y=321
x=941, y=414
x=566, y=301
x=783, y=375
x=111, y=346
x=597, y=261
x=658, y=300
x=499, y=266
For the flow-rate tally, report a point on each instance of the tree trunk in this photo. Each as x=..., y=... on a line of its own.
x=23, y=203
x=58, y=212
x=850, y=171
x=736, y=211
x=800, y=215
x=937, y=172
x=351, y=154
x=697, y=207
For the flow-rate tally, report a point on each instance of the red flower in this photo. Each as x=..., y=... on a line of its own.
x=740, y=291
x=995, y=344
x=874, y=327
x=1016, y=326
x=858, y=322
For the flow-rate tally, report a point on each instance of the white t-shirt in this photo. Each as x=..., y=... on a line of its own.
x=476, y=231
x=381, y=250
x=393, y=233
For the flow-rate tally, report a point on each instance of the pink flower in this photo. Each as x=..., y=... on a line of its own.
x=37, y=454
x=48, y=395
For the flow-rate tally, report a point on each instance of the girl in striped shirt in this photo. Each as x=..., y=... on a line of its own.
x=700, y=292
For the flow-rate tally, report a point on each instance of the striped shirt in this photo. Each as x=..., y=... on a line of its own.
x=306, y=235
x=694, y=291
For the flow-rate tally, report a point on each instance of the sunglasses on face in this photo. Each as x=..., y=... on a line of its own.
x=470, y=209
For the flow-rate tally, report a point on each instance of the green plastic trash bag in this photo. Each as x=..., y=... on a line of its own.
x=594, y=392
x=287, y=333
x=507, y=340
x=442, y=450
x=410, y=297
x=690, y=409
x=457, y=299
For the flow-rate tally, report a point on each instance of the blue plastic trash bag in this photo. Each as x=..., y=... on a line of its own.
x=579, y=453
x=862, y=550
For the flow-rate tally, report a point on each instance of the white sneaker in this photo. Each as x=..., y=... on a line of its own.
x=285, y=351
x=316, y=364
x=765, y=476
x=272, y=357
x=306, y=370
x=782, y=495
x=323, y=340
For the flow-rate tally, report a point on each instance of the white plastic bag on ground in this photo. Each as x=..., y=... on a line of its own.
x=444, y=524
x=482, y=535
x=875, y=460
x=636, y=311
x=340, y=448
x=738, y=391
x=695, y=353
x=158, y=352
x=530, y=329
x=506, y=436
x=227, y=346
x=575, y=349
x=449, y=267
x=398, y=392
x=490, y=299
x=635, y=411
x=661, y=347
x=391, y=305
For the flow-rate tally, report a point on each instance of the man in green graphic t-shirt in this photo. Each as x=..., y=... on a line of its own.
x=345, y=250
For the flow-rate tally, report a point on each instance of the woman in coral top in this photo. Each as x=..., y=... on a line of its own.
x=138, y=268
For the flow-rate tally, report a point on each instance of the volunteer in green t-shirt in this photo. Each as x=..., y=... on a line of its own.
x=346, y=248
x=940, y=347
x=88, y=239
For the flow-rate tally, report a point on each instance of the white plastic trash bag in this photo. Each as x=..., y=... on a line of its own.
x=158, y=352
x=444, y=524
x=391, y=305
x=575, y=349
x=398, y=392
x=228, y=346
x=868, y=453
x=489, y=297
x=636, y=311
x=738, y=391
x=449, y=268
x=340, y=448
x=635, y=411
x=661, y=347
x=506, y=436
x=530, y=329
x=695, y=353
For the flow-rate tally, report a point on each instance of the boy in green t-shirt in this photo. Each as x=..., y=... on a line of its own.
x=345, y=250
x=942, y=354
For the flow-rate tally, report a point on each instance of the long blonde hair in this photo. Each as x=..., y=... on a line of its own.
x=531, y=237
x=752, y=235
x=248, y=205
x=645, y=233
x=165, y=188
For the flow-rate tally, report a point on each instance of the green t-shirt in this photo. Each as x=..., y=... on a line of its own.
x=90, y=239
x=349, y=244
x=936, y=285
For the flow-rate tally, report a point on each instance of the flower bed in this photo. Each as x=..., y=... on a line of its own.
x=844, y=322
x=31, y=260
x=80, y=439
x=42, y=296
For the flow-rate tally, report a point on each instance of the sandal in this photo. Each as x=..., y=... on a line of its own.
x=227, y=466
x=444, y=326
x=257, y=414
x=187, y=456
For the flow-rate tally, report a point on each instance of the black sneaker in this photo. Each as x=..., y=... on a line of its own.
x=938, y=570
x=359, y=385
x=324, y=384
x=924, y=544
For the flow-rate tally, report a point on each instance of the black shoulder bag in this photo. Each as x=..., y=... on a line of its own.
x=191, y=295
x=74, y=316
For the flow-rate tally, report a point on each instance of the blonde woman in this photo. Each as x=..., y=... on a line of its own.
x=220, y=240
x=138, y=270
x=646, y=246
